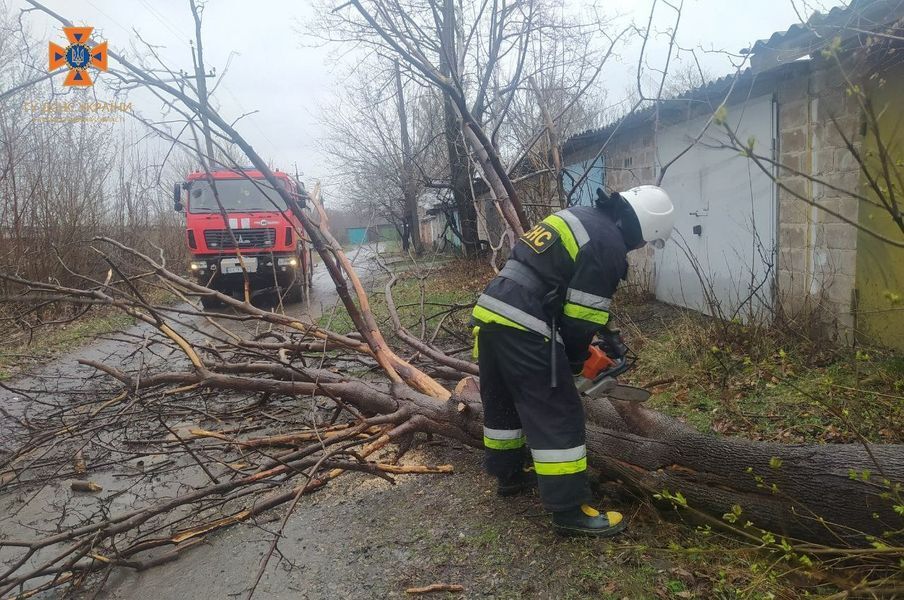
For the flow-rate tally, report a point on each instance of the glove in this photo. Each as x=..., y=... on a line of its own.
x=610, y=340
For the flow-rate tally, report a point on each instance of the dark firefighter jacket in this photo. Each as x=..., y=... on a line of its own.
x=578, y=251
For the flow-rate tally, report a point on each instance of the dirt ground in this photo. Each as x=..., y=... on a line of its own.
x=365, y=538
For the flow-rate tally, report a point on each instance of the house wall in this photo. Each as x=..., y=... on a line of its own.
x=816, y=258
x=817, y=255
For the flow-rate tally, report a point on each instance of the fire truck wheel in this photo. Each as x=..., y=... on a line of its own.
x=294, y=293
x=209, y=303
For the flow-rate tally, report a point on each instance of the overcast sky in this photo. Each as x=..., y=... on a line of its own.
x=290, y=82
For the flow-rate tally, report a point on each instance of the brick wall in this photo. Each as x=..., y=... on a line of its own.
x=817, y=251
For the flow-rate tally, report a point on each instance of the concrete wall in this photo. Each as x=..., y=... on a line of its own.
x=818, y=251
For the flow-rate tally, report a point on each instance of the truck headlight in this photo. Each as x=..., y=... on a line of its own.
x=198, y=266
x=291, y=261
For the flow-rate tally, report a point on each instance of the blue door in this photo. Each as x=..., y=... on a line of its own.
x=357, y=235
x=586, y=192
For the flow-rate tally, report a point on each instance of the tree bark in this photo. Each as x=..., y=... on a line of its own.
x=802, y=491
x=459, y=166
x=409, y=191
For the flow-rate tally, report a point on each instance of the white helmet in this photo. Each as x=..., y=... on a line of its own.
x=655, y=212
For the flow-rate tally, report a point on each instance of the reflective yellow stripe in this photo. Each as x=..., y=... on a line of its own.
x=475, y=353
x=565, y=234
x=593, y=315
x=485, y=315
x=567, y=467
x=587, y=299
x=513, y=314
x=504, y=444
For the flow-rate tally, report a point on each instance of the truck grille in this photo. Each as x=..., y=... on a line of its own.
x=246, y=238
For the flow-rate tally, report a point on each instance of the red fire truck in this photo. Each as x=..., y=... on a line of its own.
x=258, y=238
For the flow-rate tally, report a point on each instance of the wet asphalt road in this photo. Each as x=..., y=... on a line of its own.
x=226, y=564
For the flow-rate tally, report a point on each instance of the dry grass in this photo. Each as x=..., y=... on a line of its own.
x=764, y=383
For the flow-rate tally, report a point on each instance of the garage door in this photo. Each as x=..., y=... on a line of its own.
x=721, y=257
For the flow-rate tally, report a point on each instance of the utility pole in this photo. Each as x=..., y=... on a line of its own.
x=201, y=79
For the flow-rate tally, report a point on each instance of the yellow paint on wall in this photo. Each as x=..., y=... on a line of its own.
x=880, y=266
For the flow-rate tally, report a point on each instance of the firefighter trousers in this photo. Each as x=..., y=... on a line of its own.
x=521, y=410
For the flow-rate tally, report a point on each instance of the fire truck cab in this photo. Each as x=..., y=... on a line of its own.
x=238, y=227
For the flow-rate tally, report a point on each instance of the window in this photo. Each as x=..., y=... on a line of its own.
x=235, y=195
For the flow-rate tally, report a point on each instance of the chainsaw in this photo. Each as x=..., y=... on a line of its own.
x=599, y=376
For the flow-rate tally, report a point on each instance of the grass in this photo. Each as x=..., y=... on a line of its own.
x=765, y=385
x=54, y=340
x=509, y=556
x=730, y=379
x=23, y=350
x=725, y=378
x=447, y=290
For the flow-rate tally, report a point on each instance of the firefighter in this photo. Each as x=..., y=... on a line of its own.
x=533, y=326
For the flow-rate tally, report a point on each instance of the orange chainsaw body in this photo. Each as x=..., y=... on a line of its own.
x=596, y=363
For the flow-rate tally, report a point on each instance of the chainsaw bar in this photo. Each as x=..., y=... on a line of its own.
x=629, y=393
x=609, y=387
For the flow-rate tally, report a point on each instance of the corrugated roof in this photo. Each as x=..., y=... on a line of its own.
x=716, y=88
x=638, y=117
x=836, y=16
x=844, y=22
x=782, y=49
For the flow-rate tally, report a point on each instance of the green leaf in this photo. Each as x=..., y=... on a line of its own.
x=775, y=462
x=720, y=115
x=732, y=517
x=833, y=48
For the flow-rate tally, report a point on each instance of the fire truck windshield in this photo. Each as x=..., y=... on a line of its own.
x=235, y=195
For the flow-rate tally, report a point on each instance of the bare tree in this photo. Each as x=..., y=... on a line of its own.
x=383, y=142
x=805, y=492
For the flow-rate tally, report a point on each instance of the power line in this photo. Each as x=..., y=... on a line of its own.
x=174, y=29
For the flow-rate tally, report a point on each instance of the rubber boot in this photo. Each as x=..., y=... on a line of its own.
x=586, y=520
x=520, y=482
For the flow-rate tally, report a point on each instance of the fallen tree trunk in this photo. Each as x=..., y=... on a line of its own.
x=803, y=492
x=807, y=492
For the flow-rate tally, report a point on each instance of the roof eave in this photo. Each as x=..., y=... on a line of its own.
x=809, y=38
